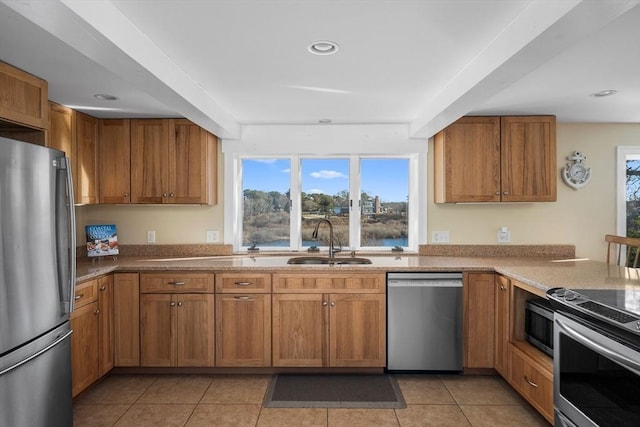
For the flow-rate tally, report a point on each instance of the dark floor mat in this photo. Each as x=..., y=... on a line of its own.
x=334, y=391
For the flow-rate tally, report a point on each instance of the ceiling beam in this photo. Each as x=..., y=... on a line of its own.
x=539, y=33
x=98, y=30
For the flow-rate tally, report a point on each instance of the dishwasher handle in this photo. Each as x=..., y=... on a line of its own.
x=437, y=283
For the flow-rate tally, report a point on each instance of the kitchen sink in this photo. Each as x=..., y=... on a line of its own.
x=327, y=260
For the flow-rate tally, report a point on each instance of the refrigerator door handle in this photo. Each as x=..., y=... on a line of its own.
x=67, y=232
x=33, y=356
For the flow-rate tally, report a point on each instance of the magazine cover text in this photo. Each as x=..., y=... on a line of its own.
x=102, y=240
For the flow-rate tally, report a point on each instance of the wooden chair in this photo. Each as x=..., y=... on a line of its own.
x=628, y=242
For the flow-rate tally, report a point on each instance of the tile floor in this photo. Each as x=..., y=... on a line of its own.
x=236, y=400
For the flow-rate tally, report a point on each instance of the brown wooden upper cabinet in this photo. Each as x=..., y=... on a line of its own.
x=157, y=161
x=23, y=98
x=76, y=134
x=114, y=160
x=496, y=159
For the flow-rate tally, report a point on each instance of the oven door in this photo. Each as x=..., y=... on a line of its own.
x=596, y=378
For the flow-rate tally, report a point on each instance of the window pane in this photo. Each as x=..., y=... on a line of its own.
x=325, y=194
x=384, y=187
x=633, y=201
x=266, y=208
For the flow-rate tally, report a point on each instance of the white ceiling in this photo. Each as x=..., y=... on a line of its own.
x=228, y=63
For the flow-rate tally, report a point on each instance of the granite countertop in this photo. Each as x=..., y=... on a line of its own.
x=541, y=273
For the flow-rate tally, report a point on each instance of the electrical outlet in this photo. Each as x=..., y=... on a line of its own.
x=440, y=236
x=212, y=236
x=151, y=236
x=504, y=235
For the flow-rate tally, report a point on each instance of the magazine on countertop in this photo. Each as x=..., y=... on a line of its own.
x=102, y=240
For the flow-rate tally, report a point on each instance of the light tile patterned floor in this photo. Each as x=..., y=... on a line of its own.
x=236, y=400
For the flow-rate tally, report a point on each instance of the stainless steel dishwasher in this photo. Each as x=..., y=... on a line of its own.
x=424, y=321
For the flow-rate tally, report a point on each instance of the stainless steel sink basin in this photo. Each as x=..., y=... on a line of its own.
x=327, y=260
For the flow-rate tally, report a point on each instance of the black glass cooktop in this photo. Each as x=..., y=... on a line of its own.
x=624, y=299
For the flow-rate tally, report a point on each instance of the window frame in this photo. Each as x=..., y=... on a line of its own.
x=234, y=234
x=623, y=153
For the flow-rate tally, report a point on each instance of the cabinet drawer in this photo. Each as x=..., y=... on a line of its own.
x=86, y=293
x=243, y=282
x=533, y=381
x=176, y=282
x=313, y=281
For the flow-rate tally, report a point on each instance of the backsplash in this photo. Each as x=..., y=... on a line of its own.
x=534, y=251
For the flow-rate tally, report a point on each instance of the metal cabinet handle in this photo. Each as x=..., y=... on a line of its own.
x=172, y=304
x=324, y=303
x=243, y=297
x=503, y=288
x=180, y=304
x=164, y=194
x=102, y=288
x=176, y=283
x=506, y=193
x=126, y=194
x=242, y=283
x=97, y=311
x=497, y=193
x=172, y=195
x=77, y=297
x=333, y=303
x=531, y=383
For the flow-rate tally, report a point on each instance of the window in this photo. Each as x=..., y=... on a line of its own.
x=628, y=194
x=283, y=200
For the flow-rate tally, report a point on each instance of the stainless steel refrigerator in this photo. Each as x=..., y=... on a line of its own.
x=37, y=275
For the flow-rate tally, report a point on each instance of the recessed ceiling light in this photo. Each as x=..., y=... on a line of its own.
x=602, y=93
x=324, y=121
x=105, y=97
x=323, y=47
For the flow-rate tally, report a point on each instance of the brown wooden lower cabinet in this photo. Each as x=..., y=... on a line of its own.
x=176, y=330
x=92, y=338
x=501, y=357
x=532, y=380
x=329, y=330
x=126, y=319
x=84, y=347
x=479, y=319
x=243, y=330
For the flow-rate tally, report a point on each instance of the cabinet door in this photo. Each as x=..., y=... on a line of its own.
x=60, y=128
x=502, y=325
x=84, y=347
x=479, y=321
x=157, y=329
x=192, y=163
x=467, y=161
x=357, y=330
x=114, y=161
x=105, y=323
x=23, y=98
x=300, y=330
x=85, y=162
x=532, y=381
x=126, y=319
x=149, y=161
x=243, y=330
x=195, y=344
x=529, y=159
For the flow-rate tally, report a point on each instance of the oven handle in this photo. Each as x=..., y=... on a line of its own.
x=630, y=364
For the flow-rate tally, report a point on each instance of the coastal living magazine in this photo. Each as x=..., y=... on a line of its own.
x=102, y=240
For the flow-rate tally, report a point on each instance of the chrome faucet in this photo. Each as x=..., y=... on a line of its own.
x=314, y=235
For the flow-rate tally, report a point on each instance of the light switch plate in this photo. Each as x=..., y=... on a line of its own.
x=212, y=236
x=151, y=236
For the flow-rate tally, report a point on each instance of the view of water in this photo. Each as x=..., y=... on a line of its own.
x=403, y=241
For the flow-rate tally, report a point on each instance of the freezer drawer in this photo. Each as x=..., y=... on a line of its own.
x=35, y=382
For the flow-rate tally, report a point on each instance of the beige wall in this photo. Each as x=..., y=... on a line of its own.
x=578, y=217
